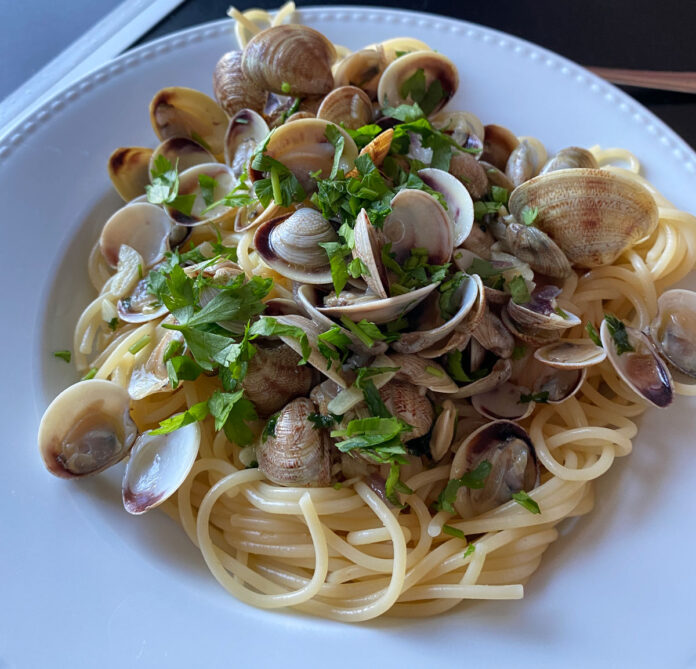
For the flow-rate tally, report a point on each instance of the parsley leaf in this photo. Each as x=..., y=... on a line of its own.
x=269, y=427
x=281, y=186
x=334, y=345
x=518, y=289
x=405, y=113
x=193, y=414
x=540, y=397
x=523, y=499
x=164, y=188
x=394, y=484
x=367, y=332
x=269, y=326
x=474, y=479
x=594, y=335
x=63, y=355
x=182, y=368
x=529, y=214
x=364, y=135
x=339, y=271
x=207, y=185
x=320, y=421
x=335, y=136
x=618, y=333
x=239, y=196
x=454, y=532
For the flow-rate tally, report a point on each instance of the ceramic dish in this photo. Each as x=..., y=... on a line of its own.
x=85, y=584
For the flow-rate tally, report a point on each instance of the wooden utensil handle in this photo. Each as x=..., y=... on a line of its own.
x=683, y=82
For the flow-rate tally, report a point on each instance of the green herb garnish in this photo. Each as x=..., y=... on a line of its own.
x=540, y=398
x=454, y=532
x=618, y=333
x=63, y=355
x=474, y=479
x=594, y=335
x=523, y=499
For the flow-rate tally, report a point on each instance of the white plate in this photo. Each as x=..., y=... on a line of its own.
x=85, y=584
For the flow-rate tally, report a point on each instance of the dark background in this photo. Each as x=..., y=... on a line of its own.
x=611, y=33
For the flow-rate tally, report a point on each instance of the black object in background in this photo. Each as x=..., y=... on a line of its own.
x=638, y=34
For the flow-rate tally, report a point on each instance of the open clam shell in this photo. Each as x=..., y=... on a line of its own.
x=86, y=429
x=572, y=157
x=592, y=215
x=673, y=330
x=367, y=249
x=498, y=144
x=460, y=206
x=182, y=152
x=412, y=342
x=246, y=131
x=465, y=128
x=423, y=373
x=302, y=146
x=347, y=106
x=514, y=466
x=641, y=369
x=143, y=226
x=184, y=112
x=158, y=465
x=381, y=311
x=129, y=171
x=541, y=313
x=436, y=68
x=190, y=184
x=571, y=354
x=290, y=245
x=500, y=373
x=503, y=402
x=362, y=69
x=525, y=161
x=404, y=227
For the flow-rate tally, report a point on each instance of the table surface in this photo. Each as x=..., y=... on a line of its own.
x=640, y=34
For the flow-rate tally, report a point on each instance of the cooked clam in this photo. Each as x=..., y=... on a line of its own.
x=422, y=373
x=406, y=402
x=471, y=173
x=290, y=245
x=541, y=311
x=182, y=153
x=506, y=401
x=129, y=171
x=439, y=73
x=233, y=90
x=498, y=144
x=290, y=59
x=674, y=329
x=274, y=377
x=538, y=250
x=464, y=127
x=184, y=112
x=347, y=106
x=500, y=373
x=302, y=146
x=525, y=161
x=362, y=69
x=404, y=227
x=367, y=249
x=571, y=354
x=158, y=465
x=295, y=454
x=86, y=429
x=514, y=468
x=246, y=131
x=220, y=181
x=640, y=367
x=140, y=306
x=460, y=206
x=143, y=226
x=380, y=311
x=572, y=157
x=592, y=215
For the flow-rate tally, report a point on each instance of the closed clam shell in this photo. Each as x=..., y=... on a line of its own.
x=129, y=171
x=503, y=402
x=347, y=106
x=673, y=330
x=143, y=226
x=296, y=454
x=290, y=245
x=178, y=111
x=471, y=173
x=290, y=59
x=158, y=465
x=435, y=66
x=534, y=247
x=274, y=377
x=233, y=90
x=423, y=373
x=86, y=429
x=526, y=160
x=592, y=215
x=496, y=177
x=405, y=401
x=641, y=369
x=492, y=334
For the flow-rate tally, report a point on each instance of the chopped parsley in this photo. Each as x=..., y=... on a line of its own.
x=469, y=550
x=453, y=532
x=63, y=355
x=618, y=333
x=164, y=188
x=429, y=98
x=474, y=479
x=207, y=185
x=594, y=335
x=90, y=374
x=394, y=485
x=414, y=272
x=239, y=196
x=367, y=332
x=334, y=345
x=113, y=323
x=529, y=214
x=518, y=290
x=140, y=344
x=524, y=500
x=269, y=427
x=540, y=397
x=281, y=185
x=320, y=421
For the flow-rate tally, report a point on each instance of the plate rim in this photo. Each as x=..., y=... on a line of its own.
x=16, y=134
